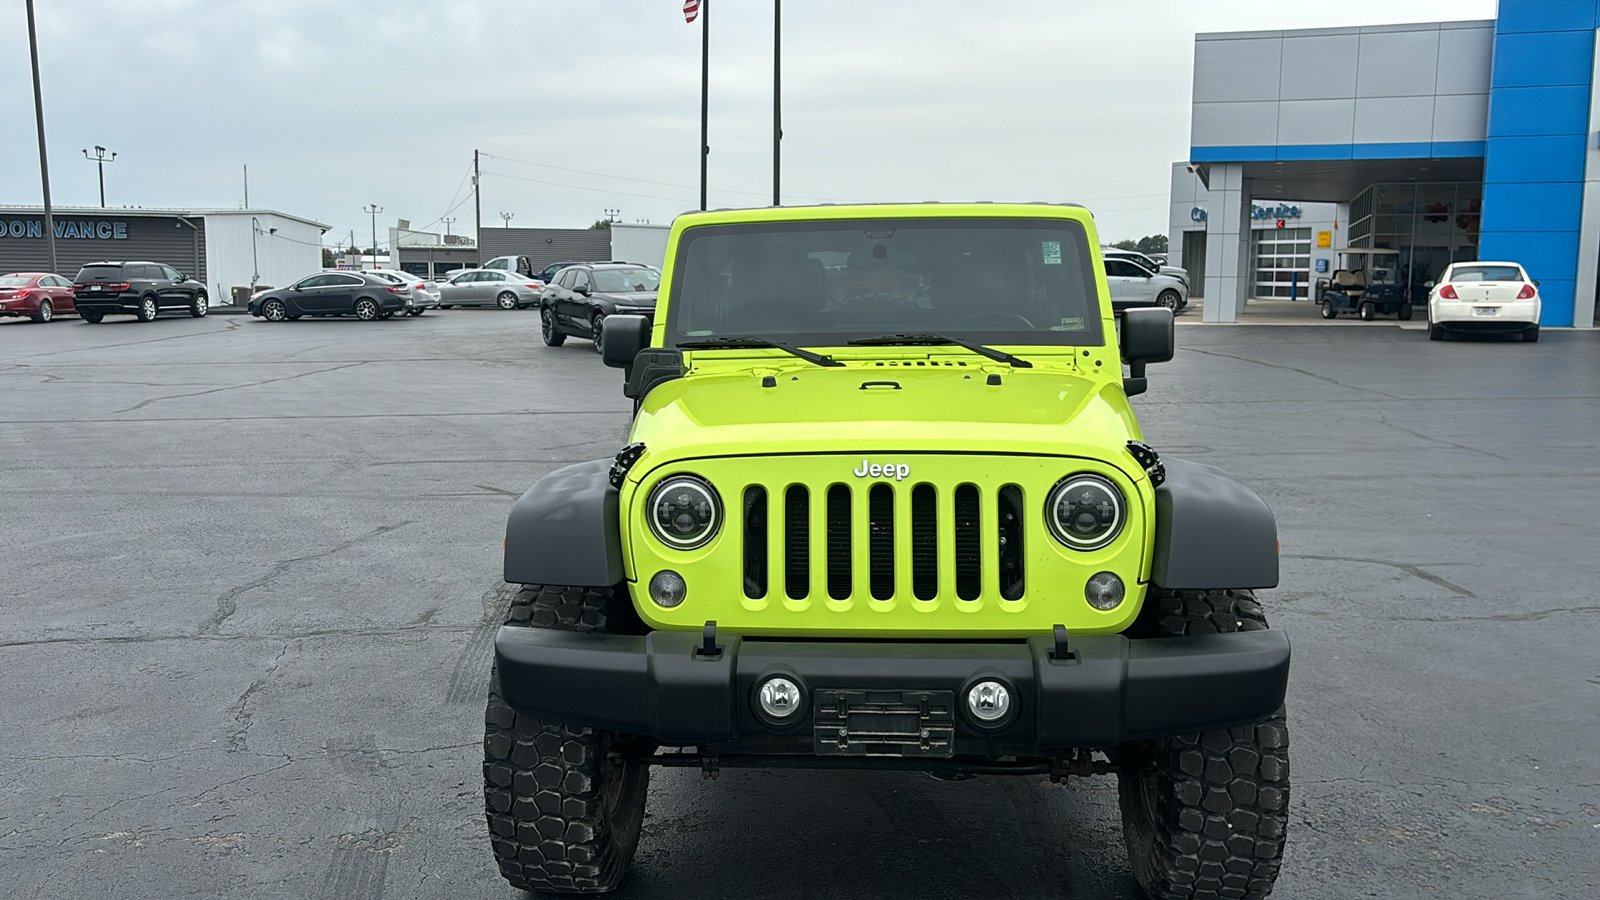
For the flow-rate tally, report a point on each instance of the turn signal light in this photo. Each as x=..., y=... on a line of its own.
x=1448, y=292
x=1527, y=292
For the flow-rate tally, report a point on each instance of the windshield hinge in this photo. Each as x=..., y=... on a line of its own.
x=1149, y=460
x=624, y=461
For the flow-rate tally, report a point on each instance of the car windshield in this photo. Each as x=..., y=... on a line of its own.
x=99, y=273
x=986, y=280
x=622, y=281
x=387, y=276
x=14, y=280
x=1485, y=273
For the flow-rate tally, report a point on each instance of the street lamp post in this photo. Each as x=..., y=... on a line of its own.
x=374, y=209
x=44, y=162
x=447, y=220
x=255, y=266
x=100, y=159
x=507, y=217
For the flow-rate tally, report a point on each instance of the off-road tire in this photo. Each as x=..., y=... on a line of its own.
x=1531, y=334
x=564, y=804
x=1204, y=817
x=548, y=329
x=93, y=318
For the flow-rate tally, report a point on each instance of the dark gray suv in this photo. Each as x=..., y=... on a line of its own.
x=141, y=289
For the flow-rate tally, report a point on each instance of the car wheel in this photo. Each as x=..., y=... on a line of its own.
x=447, y=306
x=366, y=309
x=414, y=312
x=547, y=327
x=1530, y=334
x=273, y=310
x=1367, y=311
x=506, y=300
x=1435, y=332
x=1405, y=312
x=385, y=315
x=148, y=310
x=1328, y=312
x=93, y=318
x=1204, y=815
x=565, y=804
x=46, y=312
x=597, y=333
x=295, y=317
x=1169, y=300
x=199, y=306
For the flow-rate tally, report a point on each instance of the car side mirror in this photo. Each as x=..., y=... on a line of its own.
x=1427, y=284
x=621, y=339
x=1147, y=335
x=581, y=289
x=295, y=287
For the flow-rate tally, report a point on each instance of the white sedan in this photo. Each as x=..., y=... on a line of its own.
x=1484, y=297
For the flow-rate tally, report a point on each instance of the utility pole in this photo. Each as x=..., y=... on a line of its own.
x=374, y=209
x=100, y=160
x=44, y=162
x=777, y=106
x=507, y=217
x=247, y=186
x=477, y=206
x=705, y=96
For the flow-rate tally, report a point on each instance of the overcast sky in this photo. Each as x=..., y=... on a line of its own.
x=587, y=105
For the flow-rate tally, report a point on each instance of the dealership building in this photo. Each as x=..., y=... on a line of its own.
x=1443, y=141
x=226, y=249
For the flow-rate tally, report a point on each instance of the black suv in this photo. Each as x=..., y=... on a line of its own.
x=140, y=289
x=582, y=295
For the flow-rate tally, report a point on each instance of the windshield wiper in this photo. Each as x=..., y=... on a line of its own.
x=891, y=340
x=730, y=342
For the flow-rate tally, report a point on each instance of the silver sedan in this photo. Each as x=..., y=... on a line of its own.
x=490, y=287
x=424, y=296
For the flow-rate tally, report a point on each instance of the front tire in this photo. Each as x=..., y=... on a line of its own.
x=47, y=311
x=597, y=332
x=199, y=306
x=1405, y=312
x=148, y=310
x=547, y=329
x=1169, y=300
x=1368, y=311
x=565, y=804
x=1328, y=312
x=1204, y=815
x=274, y=311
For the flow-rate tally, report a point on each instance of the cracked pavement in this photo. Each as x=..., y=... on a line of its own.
x=248, y=569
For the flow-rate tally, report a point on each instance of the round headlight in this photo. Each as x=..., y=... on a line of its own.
x=1085, y=511
x=684, y=512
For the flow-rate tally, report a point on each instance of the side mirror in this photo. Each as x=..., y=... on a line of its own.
x=1427, y=284
x=581, y=289
x=1147, y=335
x=621, y=339
x=294, y=287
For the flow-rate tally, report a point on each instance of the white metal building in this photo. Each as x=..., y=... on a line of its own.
x=256, y=247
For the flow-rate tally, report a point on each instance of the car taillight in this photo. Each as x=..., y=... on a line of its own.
x=1448, y=292
x=1527, y=292
x=396, y=289
x=119, y=286
x=23, y=294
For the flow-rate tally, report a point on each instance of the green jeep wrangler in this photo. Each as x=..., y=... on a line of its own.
x=886, y=505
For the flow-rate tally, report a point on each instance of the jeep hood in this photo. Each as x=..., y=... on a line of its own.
x=871, y=406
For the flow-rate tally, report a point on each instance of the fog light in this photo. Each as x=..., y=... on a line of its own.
x=1104, y=591
x=989, y=701
x=668, y=588
x=779, y=698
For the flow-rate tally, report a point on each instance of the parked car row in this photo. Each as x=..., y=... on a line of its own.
x=138, y=288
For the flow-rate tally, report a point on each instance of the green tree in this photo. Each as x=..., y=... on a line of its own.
x=1126, y=245
x=604, y=224
x=1155, y=243
x=328, y=260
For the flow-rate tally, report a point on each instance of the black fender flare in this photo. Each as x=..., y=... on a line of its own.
x=564, y=529
x=1212, y=532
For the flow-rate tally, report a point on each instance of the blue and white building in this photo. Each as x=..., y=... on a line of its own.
x=1446, y=141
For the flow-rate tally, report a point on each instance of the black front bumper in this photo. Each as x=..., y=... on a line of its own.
x=1110, y=690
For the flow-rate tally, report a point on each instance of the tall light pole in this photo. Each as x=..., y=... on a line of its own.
x=477, y=208
x=777, y=106
x=507, y=217
x=705, y=92
x=44, y=163
x=613, y=215
x=374, y=209
x=447, y=220
x=100, y=159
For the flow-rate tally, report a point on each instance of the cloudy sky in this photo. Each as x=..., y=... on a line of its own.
x=588, y=105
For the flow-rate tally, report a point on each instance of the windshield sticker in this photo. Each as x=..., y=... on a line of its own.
x=1069, y=324
x=1051, y=251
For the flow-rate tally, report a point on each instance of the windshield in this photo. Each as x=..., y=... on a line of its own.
x=622, y=281
x=1485, y=273
x=13, y=280
x=990, y=280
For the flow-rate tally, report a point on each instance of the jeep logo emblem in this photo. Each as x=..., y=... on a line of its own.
x=897, y=471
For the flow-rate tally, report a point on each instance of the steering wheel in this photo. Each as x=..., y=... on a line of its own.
x=994, y=315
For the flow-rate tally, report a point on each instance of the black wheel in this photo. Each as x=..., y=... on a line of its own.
x=597, y=333
x=1328, y=312
x=366, y=309
x=414, y=311
x=93, y=318
x=273, y=310
x=1405, y=312
x=385, y=315
x=47, y=311
x=547, y=328
x=148, y=309
x=1530, y=334
x=199, y=306
x=1435, y=332
x=565, y=804
x=295, y=317
x=1204, y=815
x=1367, y=311
x=447, y=306
x=506, y=300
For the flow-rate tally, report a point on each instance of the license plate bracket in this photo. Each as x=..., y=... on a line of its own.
x=883, y=723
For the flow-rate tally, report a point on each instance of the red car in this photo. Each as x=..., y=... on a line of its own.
x=37, y=295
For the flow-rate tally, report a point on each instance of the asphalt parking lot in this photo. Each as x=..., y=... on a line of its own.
x=249, y=592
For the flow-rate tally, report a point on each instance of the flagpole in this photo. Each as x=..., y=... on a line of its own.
x=777, y=106
x=705, y=80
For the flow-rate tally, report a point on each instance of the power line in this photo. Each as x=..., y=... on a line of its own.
x=528, y=162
